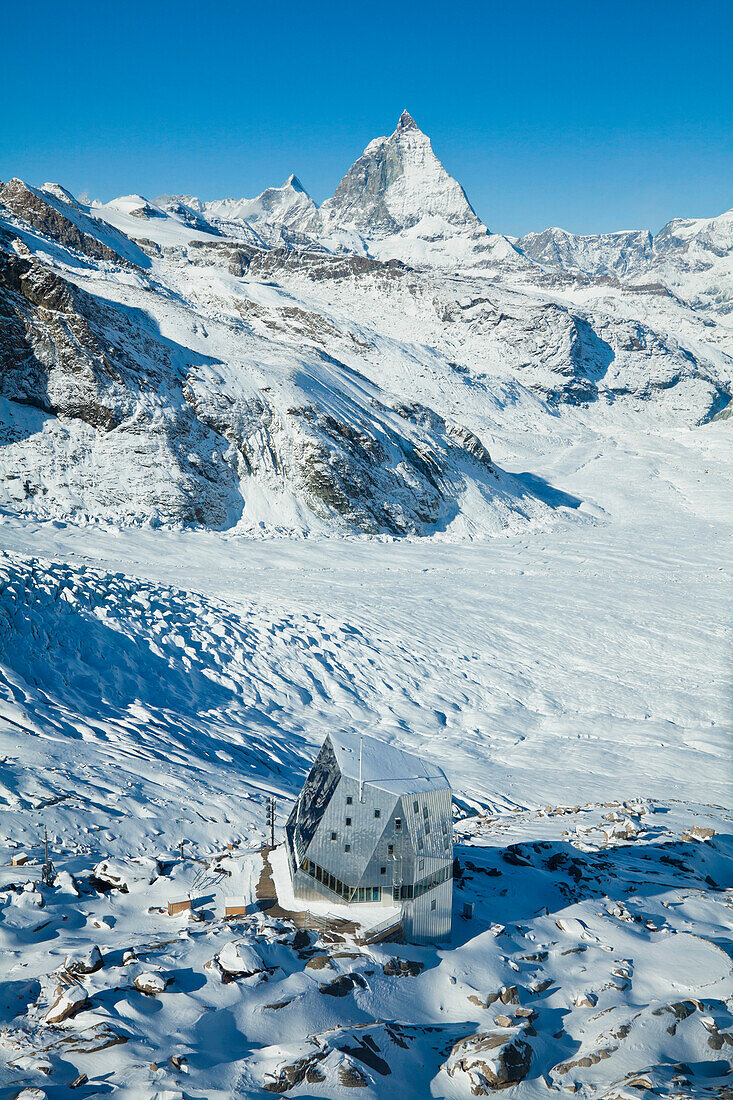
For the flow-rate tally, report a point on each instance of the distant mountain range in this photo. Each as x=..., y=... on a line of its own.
x=272, y=366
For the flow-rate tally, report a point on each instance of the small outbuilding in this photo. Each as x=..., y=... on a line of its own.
x=373, y=825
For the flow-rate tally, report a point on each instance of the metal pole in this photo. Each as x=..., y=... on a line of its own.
x=181, y=819
x=361, y=748
x=48, y=872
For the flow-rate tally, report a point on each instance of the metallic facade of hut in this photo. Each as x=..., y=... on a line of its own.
x=373, y=825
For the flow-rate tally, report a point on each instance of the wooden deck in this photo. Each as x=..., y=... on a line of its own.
x=331, y=928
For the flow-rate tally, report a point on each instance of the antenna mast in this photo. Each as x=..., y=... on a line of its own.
x=270, y=818
x=48, y=871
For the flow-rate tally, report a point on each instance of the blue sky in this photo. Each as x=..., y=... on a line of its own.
x=593, y=116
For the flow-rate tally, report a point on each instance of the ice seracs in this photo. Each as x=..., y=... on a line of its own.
x=373, y=825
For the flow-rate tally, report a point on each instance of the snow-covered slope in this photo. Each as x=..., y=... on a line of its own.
x=217, y=401
x=156, y=686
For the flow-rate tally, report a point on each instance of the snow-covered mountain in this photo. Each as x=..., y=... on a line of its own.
x=692, y=256
x=277, y=214
x=249, y=412
x=601, y=254
x=398, y=201
x=264, y=365
x=178, y=377
x=395, y=184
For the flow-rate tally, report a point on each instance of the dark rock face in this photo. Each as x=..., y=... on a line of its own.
x=236, y=259
x=342, y=986
x=49, y=355
x=67, y=354
x=43, y=216
x=290, y=1076
x=351, y=1076
x=402, y=968
x=320, y=265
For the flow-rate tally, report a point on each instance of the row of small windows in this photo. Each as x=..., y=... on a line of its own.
x=377, y=813
x=350, y=802
x=390, y=847
x=405, y=893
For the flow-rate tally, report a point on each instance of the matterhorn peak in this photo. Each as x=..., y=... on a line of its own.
x=399, y=185
x=406, y=122
x=294, y=182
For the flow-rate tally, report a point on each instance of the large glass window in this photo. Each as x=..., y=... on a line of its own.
x=313, y=799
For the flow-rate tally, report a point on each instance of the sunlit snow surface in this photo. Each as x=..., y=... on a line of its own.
x=158, y=683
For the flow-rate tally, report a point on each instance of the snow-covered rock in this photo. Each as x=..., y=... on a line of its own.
x=289, y=207
x=125, y=874
x=67, y=1004
x=692, y=256
x=149, y=983
x=489, y=1060
x=398, y=183
x=84, y=962
x=239, y=960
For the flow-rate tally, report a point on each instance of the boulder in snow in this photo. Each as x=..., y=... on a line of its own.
x=124, y=874
x=67, y=1004
x=239, y=960
x=149, y=983
x=84, y=962
x=489, y=1061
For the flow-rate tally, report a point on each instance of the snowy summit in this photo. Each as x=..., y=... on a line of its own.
x=399, y=184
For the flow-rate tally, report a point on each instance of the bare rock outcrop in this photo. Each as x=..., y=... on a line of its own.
x=489, y=1061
